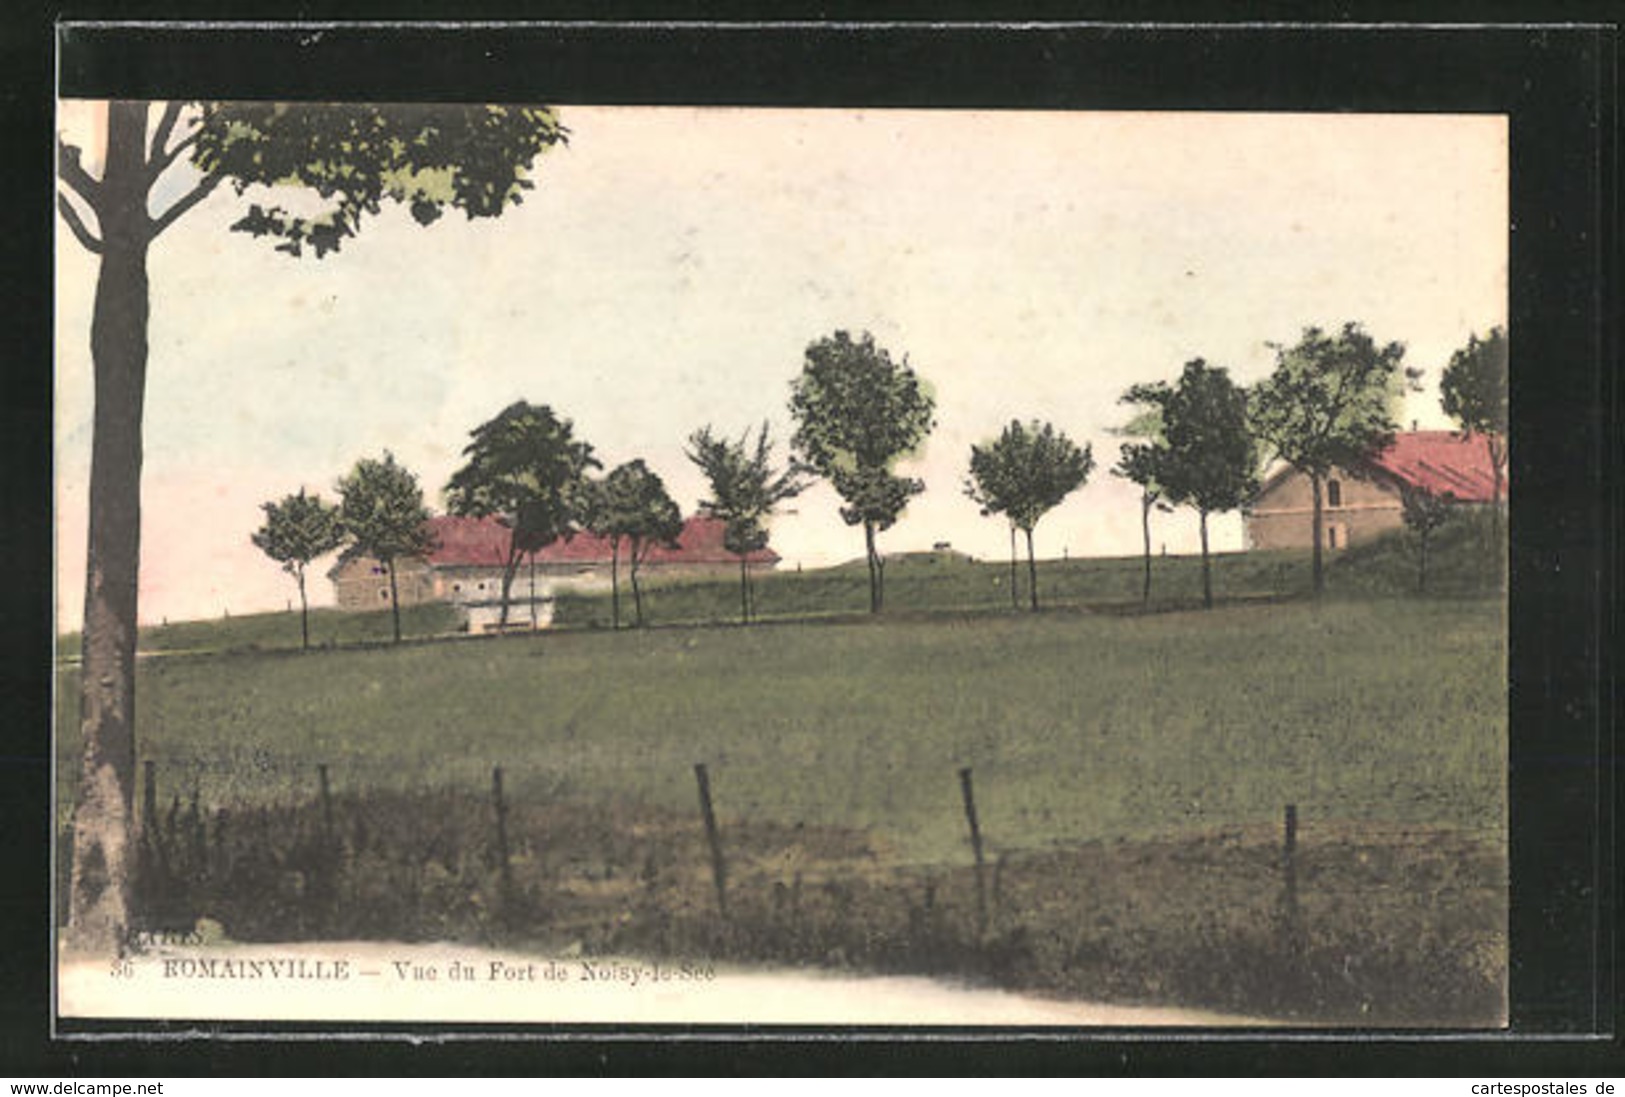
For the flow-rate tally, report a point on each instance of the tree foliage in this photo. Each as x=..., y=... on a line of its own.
x=631, y=504
x=1207, y=458
x=1331, y=403
x=384, y=517
x=1473, y=388
x=1024, y=474
x=356, y=157
x=1473, y=392
x=428, y=158
x=992, y=486
x=1424, y=511
x=525, y=467
x=857, y=414
x=298, y=529
x=746, y=488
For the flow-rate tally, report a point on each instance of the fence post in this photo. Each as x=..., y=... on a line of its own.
x=1291, y=917
x=719, y=867
x=502, y=831
x=1289, y=856
x=969, y=795
x=327, y=802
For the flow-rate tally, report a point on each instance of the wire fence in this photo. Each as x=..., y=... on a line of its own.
x=1309, y=915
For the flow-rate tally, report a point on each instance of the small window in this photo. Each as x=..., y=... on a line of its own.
x=1334, y=537
x=384, y=594
x=456, y=588
x=1334, y=493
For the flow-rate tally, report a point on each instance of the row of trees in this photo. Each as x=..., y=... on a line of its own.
x=524, y=467
x=857, y=413
x=381, y=513
x=1198, y=442
x=1329, y=404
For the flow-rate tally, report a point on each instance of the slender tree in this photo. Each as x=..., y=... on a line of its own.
x=1138, y=462
x=1330, y=404
x=297, y=530
x=1424, y=512
x=384, y=517
x=1209, y=458
x=1473, y=392
x=857, y=414
x=631, y=504
x=992, y=487
x=527, y=468
x=1024, y=474
x=426, y=157
x=745, y=488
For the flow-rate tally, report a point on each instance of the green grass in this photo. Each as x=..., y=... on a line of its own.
x=916, y=583
x=930, y=582
x=273, y=631
x=926, y=582
x=1461, y=563
x=1078, y=726
x=1130, y=774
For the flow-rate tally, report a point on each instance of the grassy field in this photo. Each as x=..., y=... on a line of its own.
x=924, y=582
x=1077, y=725
x=917, y=583
x=280, y=631
x=1131, y=771
x=929, y=582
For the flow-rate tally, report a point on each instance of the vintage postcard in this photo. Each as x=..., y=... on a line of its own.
x=560, y=563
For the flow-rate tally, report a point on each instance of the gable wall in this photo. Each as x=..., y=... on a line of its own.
x=361, y=583
x=1282, y=517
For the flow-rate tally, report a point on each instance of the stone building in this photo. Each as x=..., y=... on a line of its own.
x=1359, y=504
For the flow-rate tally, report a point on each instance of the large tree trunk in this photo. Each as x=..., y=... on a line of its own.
x=99, y=904
x=1317, y=524
x=304, y=611
x=1032, y=571
x=744, y=593
x=1207, y=569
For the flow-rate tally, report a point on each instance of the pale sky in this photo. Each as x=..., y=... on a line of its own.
x=672, y=265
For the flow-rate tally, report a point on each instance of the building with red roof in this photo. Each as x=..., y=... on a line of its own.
x=465, y=568
x=1359, y=504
